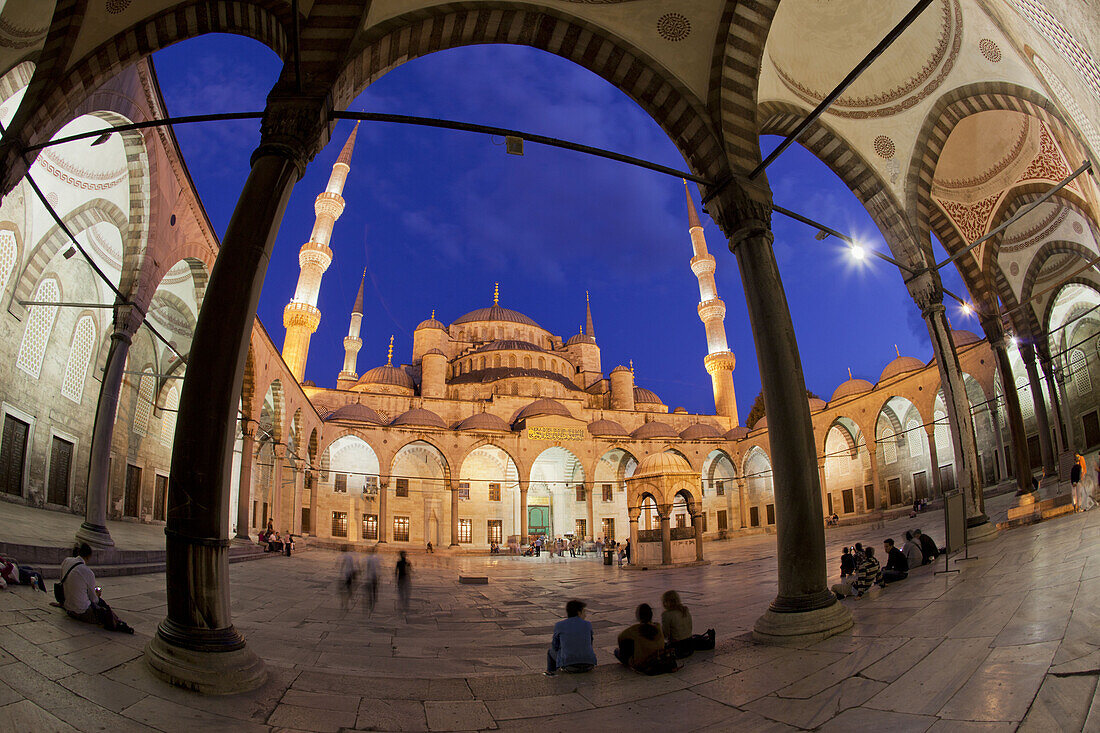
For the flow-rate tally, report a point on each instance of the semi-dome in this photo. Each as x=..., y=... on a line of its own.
x=434, y=352
x=431, y=323
x=483, y=421
x=608, y=428
x=816, y=403
x=901, y=365
x=964, y=338
x=495, y=313
x=645, y=396
x=508, y=345
x=493, y=374
x=387, y=374
x=419, y=417
x=356, y=412
x=580, y=338
x=851, y=387
x=545, y=406
x=619, y=368
x=654, y=429
x=700, y=431
x=737, y=433
x=662, y=463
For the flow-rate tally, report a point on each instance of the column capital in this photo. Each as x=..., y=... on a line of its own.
x=279, y=451
x=926, y=289
x=295, y=127
x=743, y=209
x=128, y=318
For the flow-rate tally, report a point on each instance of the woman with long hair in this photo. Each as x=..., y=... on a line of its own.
x=676, y=627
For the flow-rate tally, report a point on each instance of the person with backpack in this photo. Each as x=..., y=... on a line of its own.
x=81, y=597
x=642, y=646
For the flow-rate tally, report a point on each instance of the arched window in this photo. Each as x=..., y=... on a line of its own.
x=915, y=436
x=168, y=422
x=144, y=407
x=942, y=432
x=889, y=446
x=1079, y=367
x=39, y=326
x=526, y=362
x=512, y=360
x=80, y=353
x=542, y=363
x=1027, y=405
x=8, y=251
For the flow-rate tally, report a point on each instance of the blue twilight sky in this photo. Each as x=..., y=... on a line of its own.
x=437, y=216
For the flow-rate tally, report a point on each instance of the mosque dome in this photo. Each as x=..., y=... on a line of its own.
x=737, y=433
x=901, y=365
x=508, y=345
x=356, y=412
x=431, y=323
x=761, y=424
x=580, y=338
x=495, y=313
x=851, y=387
x=964, y=338
x=662, y=463
x=700, y=431
x=418, y=417
x=816, y=403
x=387, y=374
x=654, y=429
x=608, y=428
x=645, y=396
x=545, y=406
x=434, y=352
x=483, y=421
x=619, y=368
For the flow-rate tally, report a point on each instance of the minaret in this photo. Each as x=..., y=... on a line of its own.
x=589, y=330
x=352, y=342
x=719, y=360
x=300, y=317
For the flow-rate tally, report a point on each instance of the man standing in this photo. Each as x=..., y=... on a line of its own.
x=370, y=581
x=897, y=567
x=571, y=646
x=403, y=573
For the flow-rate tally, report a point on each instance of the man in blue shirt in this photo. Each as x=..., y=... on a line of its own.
x=571, y=648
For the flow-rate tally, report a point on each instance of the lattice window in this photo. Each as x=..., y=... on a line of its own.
x=889, y=446
x=942, y=431
x=1079, y=367
x=1070, y=48
x=465, y=531
x=80, y=353
x=168, y=421
x=494, y=492
x=8, y=252
x=1027, y=405
x=915, y=436
x=40, y=321
x=1068, y=100
x=495, y=530
x=144, y=407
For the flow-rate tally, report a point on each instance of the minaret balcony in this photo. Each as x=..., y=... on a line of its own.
x=314, y=254
x=353, y=343
x=723, y=361
x=301, y=314
x=330, y=204
x=702, y=265
x=712, y=310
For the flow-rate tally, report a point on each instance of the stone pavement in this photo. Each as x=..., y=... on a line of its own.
x=1010, y=642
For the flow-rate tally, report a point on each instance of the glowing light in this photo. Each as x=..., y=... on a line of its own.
x=967, y=309
x=1014, y=341
x=857, y=251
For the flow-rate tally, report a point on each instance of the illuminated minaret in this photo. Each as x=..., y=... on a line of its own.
x=352, y=342
x=719, y=360
x=300, y=317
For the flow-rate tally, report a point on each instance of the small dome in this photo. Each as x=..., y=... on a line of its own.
x=662, y=463
x=654, y=429
x=619, y=368
x=544, y=406
x=645, y=396
x=680, y=411
x=965, y=338
x=580, y=338
x=851, y=387
x=309, y=383
x=431, y=323
x=700, y=431
x=508, y=345
x=435, y=352
x=483, y=421
x=761, y=424
x=356, y=412
x=816, y=403
x=419, y=417
x=387, y=375
x=496, y=313
x=607, y=427
x=737, y=433
x=901, y=365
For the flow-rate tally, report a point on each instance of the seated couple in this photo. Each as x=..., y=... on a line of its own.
x=652, y=649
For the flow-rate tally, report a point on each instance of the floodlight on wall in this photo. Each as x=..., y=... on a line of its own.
x=101, y=139
x=821, y=235
x=513, y=145
x=69, y=253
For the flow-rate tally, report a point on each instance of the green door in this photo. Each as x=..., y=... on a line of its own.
x=538, y=520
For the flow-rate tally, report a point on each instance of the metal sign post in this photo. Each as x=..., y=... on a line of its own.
x=954, y=524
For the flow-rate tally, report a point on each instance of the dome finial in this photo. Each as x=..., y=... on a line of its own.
x=433, y=314
x=632, y=367
x=389, y=356
x=496, y=293
x=849, y=372
x=896, y=350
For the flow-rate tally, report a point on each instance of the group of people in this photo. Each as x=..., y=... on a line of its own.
x=645, y=646
x=350, y=570
x=275, y=542
x=860, y=569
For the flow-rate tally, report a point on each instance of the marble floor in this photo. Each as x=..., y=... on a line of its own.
x=1011, y=642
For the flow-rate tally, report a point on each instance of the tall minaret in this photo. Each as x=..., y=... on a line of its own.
x=300, y=317
x=352, y=342
x=589, y=330
x=719, y=360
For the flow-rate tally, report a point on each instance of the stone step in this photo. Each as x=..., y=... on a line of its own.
x=136, y=562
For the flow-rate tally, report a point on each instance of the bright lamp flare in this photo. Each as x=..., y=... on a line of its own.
x=858, y=252
x=967, y=309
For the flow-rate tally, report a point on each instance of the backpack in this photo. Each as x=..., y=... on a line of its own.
x=59, y=588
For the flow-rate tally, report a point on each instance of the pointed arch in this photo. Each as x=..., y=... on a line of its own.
x=39, y=326
x=80, y=354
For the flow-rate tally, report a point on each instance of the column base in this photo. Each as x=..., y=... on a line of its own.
x=981, y=532
x=95, y=535
x=238, y=540
x=801, y=627
x=230, y=671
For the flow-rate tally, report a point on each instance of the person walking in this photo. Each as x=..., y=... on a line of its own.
x=1076, y=476
x=403, y=573
x=370, y=579
x=347, y=573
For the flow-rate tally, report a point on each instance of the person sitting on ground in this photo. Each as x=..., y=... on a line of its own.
x=82, y=598
x=571, y=646
x=914, y=557
x=928, y=548
x=641, y=646
x=431, y=550
x=275, y=543
x=897, y=567
x=848, y=575
x=870, y=573
x=12, y=573
x=676, y=626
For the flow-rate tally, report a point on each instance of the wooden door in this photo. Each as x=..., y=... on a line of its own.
x=160, y=497
x=133, y=491
x=920, y=485
x=848, y=499
x=893, y=487
x=61, y=461
x=1092, y=428
x=13, y=455
x=1034, y=452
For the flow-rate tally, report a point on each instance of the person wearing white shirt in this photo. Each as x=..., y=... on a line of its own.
x=82, y=596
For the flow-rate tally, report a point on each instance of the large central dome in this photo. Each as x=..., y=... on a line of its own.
x=496, y=313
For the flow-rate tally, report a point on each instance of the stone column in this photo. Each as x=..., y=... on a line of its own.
x=1070, y=419
x=1027, y=351
x=1059, y=416
x=666, y=534
x=453, y=486
x=523, y=486
x=632, y=514
x=995, y=415
x=278, y=456
x=94, y=528
x=934, y=461
x=196, y=646
x=299, y=490
x=589, y=488
x=994, y=331
x=383, y=509
x=804, y=609
x=927, y=291
x=876, y=482
x=697, y=522
x=311, y=484
x=244, y=489
x=743, y=501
